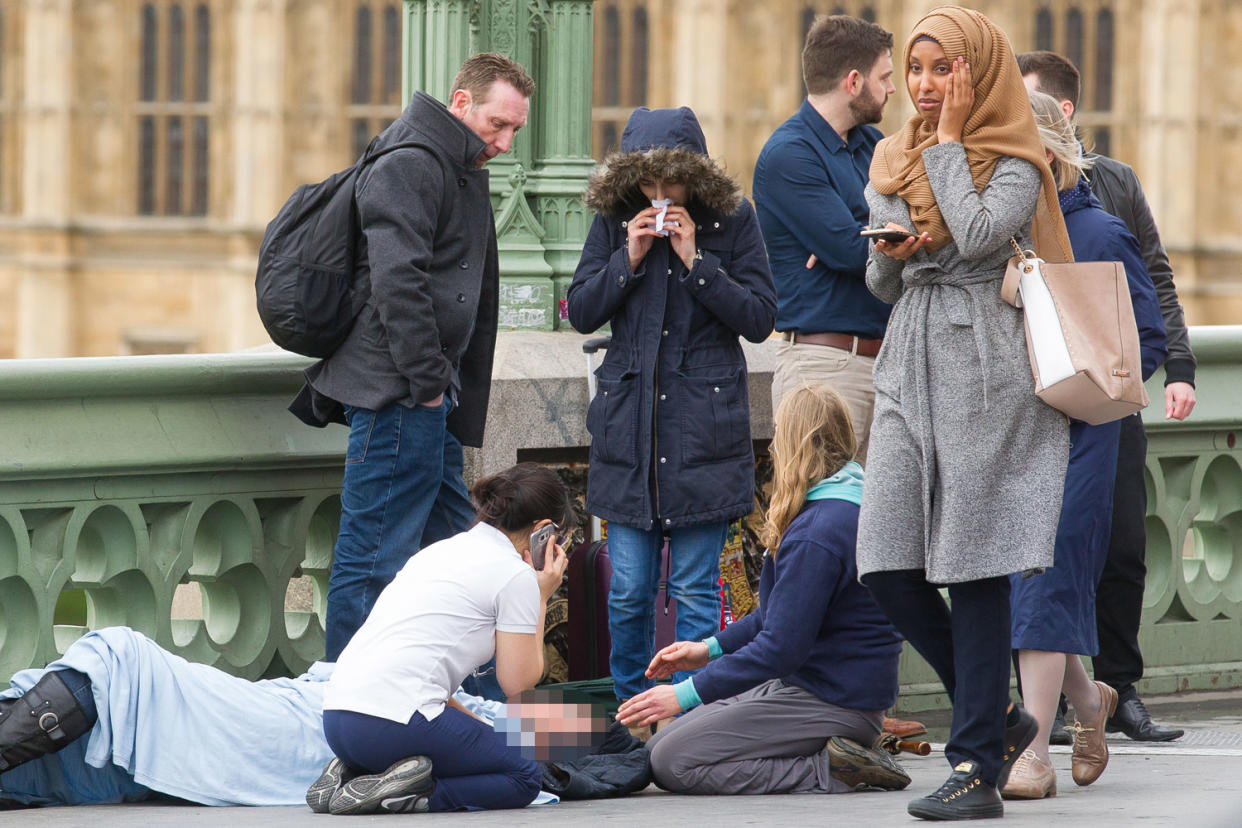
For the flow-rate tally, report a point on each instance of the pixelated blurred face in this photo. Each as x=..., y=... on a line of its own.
x=547, y=729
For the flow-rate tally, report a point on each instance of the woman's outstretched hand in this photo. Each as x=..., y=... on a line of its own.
x=959, y=99
x=907, y=248
x=659, y=702
x=676, y=657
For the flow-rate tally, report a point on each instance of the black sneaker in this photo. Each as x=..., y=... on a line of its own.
x=963, y=796
x=863, y=768
x=321, y=791
x=403, y=788
x=1018, y=737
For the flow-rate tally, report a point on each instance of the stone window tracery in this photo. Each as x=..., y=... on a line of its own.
x=1084, y=31
x=174, y=99
x=622, y=49
x=375, y=81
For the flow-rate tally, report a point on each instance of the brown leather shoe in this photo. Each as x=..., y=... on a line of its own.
x=1090, y=744
x=1030, y=778
x=903, y=729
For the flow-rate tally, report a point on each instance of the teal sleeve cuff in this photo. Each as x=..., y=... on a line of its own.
x=687, y=696
x=713, y=647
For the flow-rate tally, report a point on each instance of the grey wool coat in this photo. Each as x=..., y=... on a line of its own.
x=966, y=465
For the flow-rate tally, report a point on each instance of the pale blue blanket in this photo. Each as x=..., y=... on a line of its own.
x=178, y=728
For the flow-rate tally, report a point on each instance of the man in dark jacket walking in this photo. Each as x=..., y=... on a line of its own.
x=413, y=376
x=1119, y=595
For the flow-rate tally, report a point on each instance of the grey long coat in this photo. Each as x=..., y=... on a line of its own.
x=966, y=465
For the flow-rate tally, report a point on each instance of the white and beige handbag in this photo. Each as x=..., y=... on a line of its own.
x=1080, y=334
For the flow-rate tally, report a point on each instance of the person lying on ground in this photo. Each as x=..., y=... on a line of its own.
x=795, y=693
x=127, y=708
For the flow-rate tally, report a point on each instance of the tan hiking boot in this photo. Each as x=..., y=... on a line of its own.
x=1090, y=744
x=1030, y=778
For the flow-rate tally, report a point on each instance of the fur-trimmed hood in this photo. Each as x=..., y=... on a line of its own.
x=666, y=144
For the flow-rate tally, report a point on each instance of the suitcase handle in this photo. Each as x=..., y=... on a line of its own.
x=596, y=343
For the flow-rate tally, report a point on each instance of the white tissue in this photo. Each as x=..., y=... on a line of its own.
x=663, y=204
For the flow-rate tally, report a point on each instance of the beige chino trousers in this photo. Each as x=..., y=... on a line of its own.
x=848, y=374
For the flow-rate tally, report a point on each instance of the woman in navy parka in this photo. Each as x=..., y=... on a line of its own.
x=670, y=427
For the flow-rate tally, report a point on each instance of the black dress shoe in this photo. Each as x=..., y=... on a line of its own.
x=1133, y=720
x=963, y=796
x=1059, y=735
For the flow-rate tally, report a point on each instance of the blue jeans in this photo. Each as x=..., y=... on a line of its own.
x=403, y=490
x=694, y=561
x=472, y=765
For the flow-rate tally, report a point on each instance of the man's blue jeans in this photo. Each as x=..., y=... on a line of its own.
x=694, y=563
x=403, y=490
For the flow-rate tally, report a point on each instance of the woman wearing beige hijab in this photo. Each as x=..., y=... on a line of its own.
x=966, y=465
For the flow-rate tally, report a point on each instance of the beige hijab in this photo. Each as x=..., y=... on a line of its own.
x=1000, y=123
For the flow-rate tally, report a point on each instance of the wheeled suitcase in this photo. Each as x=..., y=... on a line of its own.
x=590, y=574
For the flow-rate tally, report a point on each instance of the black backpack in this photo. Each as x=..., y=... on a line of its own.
x=307, y=295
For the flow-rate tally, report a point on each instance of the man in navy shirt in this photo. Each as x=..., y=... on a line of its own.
x=808, y=190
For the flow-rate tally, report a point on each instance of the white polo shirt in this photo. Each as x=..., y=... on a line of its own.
x=433, y=625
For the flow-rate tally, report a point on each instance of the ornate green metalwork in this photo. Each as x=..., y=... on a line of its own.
x=127, y=478
x=536, y=188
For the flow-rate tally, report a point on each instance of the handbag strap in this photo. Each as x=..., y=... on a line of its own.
x=1019, y=264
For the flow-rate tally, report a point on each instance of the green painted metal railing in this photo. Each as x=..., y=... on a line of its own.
x=128, y=481
x=131, y=486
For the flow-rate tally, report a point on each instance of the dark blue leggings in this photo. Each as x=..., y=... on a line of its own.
x=473, y=768
x=968, y=648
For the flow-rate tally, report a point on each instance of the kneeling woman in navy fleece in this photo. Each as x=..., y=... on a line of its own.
x=793, y=691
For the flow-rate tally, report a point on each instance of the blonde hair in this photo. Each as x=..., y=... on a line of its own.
x=1056, y=133
x=814, y=438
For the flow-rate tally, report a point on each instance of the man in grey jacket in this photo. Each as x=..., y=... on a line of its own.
x=1119, y=596
x=413, y=376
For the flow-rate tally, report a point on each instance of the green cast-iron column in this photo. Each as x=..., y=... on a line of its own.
x=537, y=187
x=565, y=144
x=436, y=38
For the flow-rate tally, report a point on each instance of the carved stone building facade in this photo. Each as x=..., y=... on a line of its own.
x=144, y=144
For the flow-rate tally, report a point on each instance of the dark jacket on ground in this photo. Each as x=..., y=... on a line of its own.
x=429, y=249
x=1120, y=193
x=621, y=765
x=816, y=627
x=670, y=424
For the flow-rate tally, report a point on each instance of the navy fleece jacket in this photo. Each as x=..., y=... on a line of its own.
x=816, y=626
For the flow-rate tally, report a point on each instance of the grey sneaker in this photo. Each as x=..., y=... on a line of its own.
x=321, y=791
x=404, y=788
x=861, y=767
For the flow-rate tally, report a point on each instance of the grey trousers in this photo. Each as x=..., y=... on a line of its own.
x=767, y=740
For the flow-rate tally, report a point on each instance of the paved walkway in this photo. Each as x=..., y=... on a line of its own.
x=1193, y=783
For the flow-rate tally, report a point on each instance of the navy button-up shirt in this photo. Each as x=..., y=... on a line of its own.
x=808, y=190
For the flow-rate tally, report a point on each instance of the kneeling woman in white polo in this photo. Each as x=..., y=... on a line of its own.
x=388, y=712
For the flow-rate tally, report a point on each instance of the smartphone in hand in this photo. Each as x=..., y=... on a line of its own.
x=539, y=543
x=885, y=234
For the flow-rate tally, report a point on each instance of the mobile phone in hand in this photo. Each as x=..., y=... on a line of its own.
x=885, y=234
x=539, y=543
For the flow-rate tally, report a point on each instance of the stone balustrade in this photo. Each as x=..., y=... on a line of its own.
x=177, y=495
